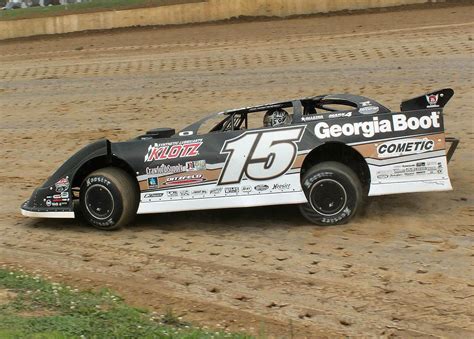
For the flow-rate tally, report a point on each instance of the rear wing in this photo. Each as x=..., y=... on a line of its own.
x=436, y=99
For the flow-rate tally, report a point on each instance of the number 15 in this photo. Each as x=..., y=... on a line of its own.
x=261, y=155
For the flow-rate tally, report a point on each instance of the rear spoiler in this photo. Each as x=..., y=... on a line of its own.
x=436, y=99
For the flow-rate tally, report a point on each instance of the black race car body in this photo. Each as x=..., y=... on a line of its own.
x=239, y=163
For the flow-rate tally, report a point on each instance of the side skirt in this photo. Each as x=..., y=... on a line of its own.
x=280, y=198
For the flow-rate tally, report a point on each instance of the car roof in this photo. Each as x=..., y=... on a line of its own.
x=354, y=101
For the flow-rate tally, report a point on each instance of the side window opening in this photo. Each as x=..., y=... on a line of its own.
x=230, y=122
x=335, y=106
x=245, y=120
x=327, y=106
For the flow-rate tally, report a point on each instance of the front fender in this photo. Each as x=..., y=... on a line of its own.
x=54, y=198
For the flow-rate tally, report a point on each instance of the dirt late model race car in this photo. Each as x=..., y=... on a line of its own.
x=326, y=153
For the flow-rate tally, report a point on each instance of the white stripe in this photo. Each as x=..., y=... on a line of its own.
x=360, y=143
x=32, y=214
x=223, y=202
x=410, y=187
x=412, y=157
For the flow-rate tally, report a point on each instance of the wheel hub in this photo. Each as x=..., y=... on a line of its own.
x=99, y=201
x=328, y=197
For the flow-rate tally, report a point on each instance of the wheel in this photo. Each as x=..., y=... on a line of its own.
x=334, y=194
x=109, y=198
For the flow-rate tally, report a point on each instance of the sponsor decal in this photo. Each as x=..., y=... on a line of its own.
x=184, y=193
x=247, y=189
x=199, y=192
x=216, y=190
x=173, y=150
x=340, y=115
x=198, y=165
x=184, y=180
x=172, y=194
x=281, y=187
x=432, y=100
x=261, y=188
x=312, y=117
x=164, y=169
x=231, y=190
x=154, y=195
x=397, y=123
x=153, y=182
x=58, y=198
x=369, y=110
x=62, y=185
x=95, y=180
x=407, y=170
x=65, y=195
x=404, y=147
x=56, y=201
x=186, y=133
x=59, y=204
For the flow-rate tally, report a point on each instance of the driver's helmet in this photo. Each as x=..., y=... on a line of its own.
x=276, y=117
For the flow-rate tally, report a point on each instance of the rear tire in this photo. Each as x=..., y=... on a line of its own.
x=109, y=198
x=334, y=194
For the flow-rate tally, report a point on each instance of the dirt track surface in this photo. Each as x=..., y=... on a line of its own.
x=404, y=267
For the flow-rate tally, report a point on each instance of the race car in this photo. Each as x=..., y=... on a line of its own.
x=326, y=153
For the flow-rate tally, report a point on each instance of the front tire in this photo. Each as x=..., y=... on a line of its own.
x=109, y=198
x=334, y=194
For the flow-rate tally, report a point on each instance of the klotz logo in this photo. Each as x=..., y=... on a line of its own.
x=164, y=152
x=432, y=100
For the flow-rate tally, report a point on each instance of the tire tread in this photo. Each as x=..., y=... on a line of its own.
x=334, y=166
x=128, y=190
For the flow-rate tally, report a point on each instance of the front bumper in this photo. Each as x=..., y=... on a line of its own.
x=45, y=213
x=54, y=201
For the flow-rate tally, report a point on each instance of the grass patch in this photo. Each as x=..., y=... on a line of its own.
x=35, y=308
x=86, y=7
